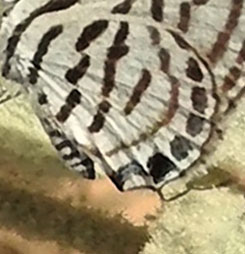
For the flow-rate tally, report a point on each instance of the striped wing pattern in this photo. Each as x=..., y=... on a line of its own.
x=134, y=87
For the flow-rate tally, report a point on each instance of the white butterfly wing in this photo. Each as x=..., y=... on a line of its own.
x=215, y=28
x=135, y=92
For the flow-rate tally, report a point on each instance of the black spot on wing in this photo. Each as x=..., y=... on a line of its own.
x=164, y=58
x=138, y=91
x=180, y=147
x=199, y=99
x=42, y=99
x=89, y=173
x=194, y=125
x=185, y=16
x=117, y=50
x=42, y=50
x=127, y=173
x=193, y=70
x=68, y=152
x=159, y=166
x=91, y=33
x=122, y=8
x=157, y=10
x=154, y=35
x=99, y=117
x=72, y=100
x=74, y=74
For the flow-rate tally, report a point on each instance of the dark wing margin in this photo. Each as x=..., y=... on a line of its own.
x=67, y=150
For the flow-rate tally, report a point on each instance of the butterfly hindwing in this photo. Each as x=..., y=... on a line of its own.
x=130, y=86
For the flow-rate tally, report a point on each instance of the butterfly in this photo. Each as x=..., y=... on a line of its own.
x=134, y=87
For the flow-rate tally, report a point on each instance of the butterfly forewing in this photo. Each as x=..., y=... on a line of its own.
x=133, y=85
